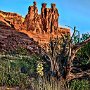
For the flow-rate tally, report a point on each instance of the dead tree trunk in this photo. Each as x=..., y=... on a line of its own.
x=72, y=52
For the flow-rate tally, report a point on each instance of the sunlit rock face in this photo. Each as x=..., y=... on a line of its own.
x=13, y=19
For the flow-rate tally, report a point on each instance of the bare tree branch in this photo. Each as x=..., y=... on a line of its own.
x=78, y=75
x=79, y=45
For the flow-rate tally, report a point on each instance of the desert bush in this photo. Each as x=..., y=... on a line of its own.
x=79, y=85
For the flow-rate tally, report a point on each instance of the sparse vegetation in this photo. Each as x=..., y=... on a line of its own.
x=16, y=71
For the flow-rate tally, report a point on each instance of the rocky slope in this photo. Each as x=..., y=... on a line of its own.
x=11, y=40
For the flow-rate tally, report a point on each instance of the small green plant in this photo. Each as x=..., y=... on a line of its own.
x=40, y=69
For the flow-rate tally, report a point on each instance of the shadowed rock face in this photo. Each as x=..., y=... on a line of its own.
x=11, y=40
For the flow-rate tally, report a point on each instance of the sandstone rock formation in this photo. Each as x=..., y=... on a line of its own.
x=40, y=27
x=47, y=21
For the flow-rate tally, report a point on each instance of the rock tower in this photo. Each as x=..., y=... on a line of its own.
x=46, y=22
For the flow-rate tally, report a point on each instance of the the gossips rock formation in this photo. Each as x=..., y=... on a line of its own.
x=40, y=27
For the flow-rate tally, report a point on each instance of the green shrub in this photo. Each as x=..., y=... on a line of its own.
x=12, y=79
x=79, y=85
x=16, y=72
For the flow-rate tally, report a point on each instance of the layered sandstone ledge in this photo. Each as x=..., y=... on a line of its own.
x=40, y=27
x=13, y=19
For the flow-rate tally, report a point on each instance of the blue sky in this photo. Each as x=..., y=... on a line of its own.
x=72, y=12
